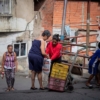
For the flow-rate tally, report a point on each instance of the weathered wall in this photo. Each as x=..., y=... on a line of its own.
x=38, y=29
x=47, y=15
x=22, y=13
x=7, y=38
x=21, y=24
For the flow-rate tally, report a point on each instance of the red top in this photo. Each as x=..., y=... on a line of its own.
x=54, y=51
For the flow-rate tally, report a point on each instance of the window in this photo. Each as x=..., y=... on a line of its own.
x=5, y=7
x=20, y=49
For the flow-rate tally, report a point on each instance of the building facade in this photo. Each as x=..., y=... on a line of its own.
x=76, y=17
x=76, y=14
x=16, y=28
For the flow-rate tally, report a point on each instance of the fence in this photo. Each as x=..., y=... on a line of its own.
x=67, y=44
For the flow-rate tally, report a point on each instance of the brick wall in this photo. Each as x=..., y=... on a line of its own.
x=47, y=14
x=76, y=14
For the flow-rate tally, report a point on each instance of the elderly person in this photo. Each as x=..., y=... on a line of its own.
x=36, y=56
x=9, y=65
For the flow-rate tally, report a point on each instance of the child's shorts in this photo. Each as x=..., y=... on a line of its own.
x=93, y=70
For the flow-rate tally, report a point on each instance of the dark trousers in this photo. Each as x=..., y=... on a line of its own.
x=10, y=77
x=52, y=62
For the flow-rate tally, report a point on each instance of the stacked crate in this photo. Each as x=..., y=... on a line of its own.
x=58, y=77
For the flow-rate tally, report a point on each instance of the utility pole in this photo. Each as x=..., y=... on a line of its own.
x=63, y=19
x=88, y=26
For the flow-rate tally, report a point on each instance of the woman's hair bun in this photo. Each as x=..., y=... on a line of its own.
x=46, y=33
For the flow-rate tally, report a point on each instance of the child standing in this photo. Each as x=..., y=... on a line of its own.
x=93, y=66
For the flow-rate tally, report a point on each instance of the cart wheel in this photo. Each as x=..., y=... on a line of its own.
x=70, y=88
x=49, y=90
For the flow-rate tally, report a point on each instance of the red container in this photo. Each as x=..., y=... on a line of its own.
x=56, y=88
x=57, y=84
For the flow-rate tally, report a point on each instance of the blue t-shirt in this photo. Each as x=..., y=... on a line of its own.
x=94, y=60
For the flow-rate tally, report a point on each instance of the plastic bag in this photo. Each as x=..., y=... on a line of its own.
x=46, y=66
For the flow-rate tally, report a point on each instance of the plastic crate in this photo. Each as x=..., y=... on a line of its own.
x=59, y=71
x=57, y=84
x=61, y=66
x=59, y=76
x=56, y=88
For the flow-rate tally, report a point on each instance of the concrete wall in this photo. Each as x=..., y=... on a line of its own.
x=22, y=14
x=20, y=24
x=47, y=15
x=38, y=29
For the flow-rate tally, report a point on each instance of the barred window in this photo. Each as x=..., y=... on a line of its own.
x=5, y=6
x=20, y=49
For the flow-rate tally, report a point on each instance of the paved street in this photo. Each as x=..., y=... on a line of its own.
x=22, y=86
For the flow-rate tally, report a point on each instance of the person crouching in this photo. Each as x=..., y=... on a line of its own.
x=53, y=49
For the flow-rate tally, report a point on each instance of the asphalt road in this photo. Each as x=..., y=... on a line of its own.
x=23, y=92
x=78, y=94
